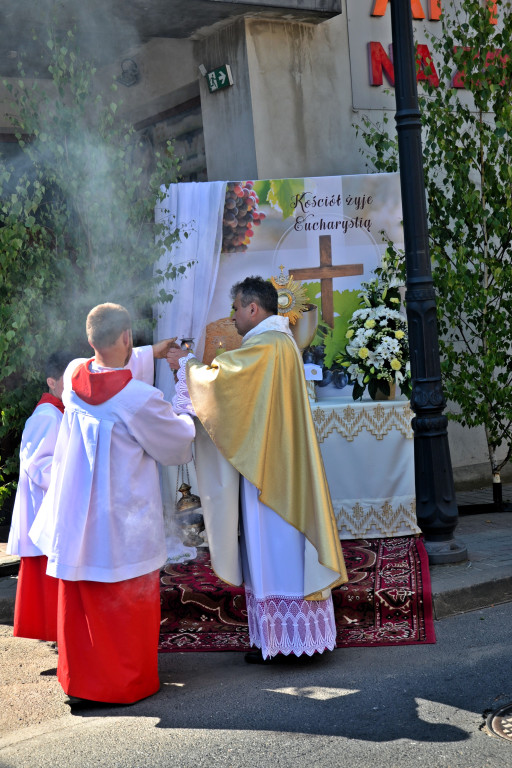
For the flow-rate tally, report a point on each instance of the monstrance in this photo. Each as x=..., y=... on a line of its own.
x=292, y=302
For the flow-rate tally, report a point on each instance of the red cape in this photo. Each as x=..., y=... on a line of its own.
x=97, y=388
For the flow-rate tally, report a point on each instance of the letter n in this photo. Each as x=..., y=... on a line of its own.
x=379, y=61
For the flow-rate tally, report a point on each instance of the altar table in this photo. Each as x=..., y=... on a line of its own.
x=368, y=452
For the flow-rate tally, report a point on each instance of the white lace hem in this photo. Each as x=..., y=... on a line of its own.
x=290, y=624
x=181, y=401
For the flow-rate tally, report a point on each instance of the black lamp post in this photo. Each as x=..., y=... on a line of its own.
x=435, y=494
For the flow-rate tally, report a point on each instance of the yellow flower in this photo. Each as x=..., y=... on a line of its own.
x=363, y=352
x=395, y=364
x=349, y=334
x=399, y=334
x=370, y=324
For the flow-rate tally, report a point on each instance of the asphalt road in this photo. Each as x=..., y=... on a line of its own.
x=354, y=708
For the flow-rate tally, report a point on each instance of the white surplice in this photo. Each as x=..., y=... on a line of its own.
x=101, y=519
x=273, y=555
x=36, y=455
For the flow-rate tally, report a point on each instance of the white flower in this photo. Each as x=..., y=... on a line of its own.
x=372, y=348
x=356, y=372
x=361, y=314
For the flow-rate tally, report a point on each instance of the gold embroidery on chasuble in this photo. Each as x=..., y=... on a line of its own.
x=266, y=433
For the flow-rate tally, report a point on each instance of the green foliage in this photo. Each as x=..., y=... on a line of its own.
x=344, y=303
x=382, y=153
x=282, y=193
x=467, y=137
x=76, y=227
x=262, y=188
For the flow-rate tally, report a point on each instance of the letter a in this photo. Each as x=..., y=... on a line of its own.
x=379, y=9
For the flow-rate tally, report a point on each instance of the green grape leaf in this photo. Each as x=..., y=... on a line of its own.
x=282, y=193
x=262, y=188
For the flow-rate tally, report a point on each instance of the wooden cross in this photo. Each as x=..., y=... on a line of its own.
x=326, y=272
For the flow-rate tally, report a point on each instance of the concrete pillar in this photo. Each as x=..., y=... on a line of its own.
x=289, y=112
x=228, y=114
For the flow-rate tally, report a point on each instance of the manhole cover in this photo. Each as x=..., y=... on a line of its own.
x=499, y=723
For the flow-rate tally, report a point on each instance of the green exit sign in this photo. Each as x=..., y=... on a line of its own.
x=219, y=78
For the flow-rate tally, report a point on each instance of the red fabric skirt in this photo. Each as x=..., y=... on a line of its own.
x=107, y=636
x=35, y=610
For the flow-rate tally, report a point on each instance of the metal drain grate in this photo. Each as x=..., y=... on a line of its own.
x=499, y=723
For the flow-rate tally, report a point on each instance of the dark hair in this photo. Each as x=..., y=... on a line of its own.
x=105, y=323
x=57, y=364
x=258, y=290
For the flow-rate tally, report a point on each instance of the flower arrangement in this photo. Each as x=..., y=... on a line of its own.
x=377, y=351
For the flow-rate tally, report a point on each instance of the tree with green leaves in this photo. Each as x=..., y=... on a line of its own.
x=467, y=139
x=76, y=227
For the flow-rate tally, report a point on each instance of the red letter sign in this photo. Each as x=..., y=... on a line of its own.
x=379, y=9
x=379, y=60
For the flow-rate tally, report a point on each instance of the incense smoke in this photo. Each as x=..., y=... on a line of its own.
x=104, y=241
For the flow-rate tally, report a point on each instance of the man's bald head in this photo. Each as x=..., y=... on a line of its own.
x=105, y=323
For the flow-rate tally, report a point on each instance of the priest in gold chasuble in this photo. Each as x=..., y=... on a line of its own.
x=266, y=503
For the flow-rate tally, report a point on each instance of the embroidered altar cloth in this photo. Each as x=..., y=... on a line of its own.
x=368, y=453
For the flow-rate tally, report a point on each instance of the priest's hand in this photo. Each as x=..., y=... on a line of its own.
x=174, y=356
x=161, y=348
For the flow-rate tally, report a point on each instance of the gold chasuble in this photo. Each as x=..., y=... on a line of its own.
x=253, y=404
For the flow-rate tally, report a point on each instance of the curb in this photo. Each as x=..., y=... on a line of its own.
x=9, y=567
x=472, y=598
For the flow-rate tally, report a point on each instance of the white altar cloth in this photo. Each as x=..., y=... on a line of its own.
x=368, y=452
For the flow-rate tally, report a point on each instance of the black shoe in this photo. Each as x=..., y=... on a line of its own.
x=49, y=671
x=76, y=703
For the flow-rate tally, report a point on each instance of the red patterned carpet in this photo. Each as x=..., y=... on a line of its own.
x=387, y=601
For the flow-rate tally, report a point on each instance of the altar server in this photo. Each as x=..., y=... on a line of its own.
x=256, y=441
x=35, y=610
x=101, y=522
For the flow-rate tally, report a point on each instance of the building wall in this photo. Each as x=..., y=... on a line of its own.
x=168, y=77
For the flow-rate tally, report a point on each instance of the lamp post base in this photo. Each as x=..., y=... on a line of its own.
x=446, y=552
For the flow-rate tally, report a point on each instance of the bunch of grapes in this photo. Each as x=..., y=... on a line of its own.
x=240, y=216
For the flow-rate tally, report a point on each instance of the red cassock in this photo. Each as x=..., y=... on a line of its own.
x=35, y=611
x=108, y=638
